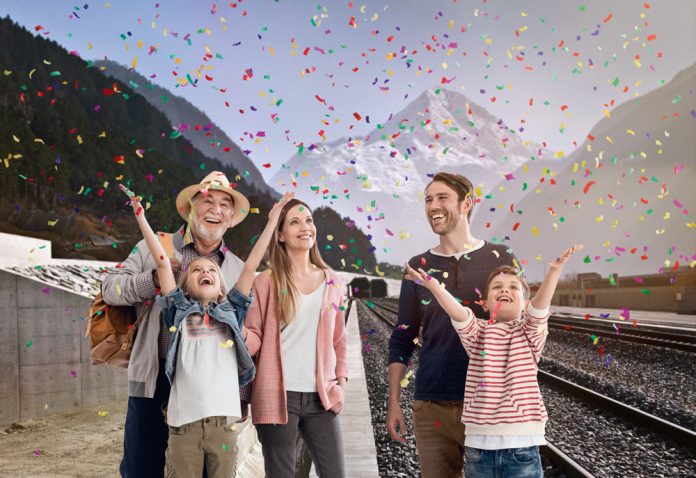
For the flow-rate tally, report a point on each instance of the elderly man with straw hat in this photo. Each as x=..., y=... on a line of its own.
x=209, y=209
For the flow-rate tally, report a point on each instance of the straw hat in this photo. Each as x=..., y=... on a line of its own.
x=214, y=181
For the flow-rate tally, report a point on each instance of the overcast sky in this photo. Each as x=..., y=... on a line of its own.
x=319, y=66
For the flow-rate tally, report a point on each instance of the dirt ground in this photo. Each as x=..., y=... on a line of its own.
x=88, y=443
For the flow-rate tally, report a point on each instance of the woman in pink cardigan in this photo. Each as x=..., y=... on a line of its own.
x=295, y=330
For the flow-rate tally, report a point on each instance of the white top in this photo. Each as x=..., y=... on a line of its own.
x=298, y=343
x=502, y=442
x=206, y=383
x=458, y=255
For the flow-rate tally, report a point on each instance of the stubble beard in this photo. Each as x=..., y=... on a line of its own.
x=446, y=227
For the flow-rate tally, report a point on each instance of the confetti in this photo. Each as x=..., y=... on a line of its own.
x=595, y=46
x=227, y=344
x=405, y=381
x=625, y=314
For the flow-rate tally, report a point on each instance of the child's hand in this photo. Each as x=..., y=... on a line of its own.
x=134, y=200
x=274, y=214
x=560, y=261
x=420, y=277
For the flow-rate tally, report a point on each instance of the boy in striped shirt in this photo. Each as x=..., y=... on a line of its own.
x=503, y=411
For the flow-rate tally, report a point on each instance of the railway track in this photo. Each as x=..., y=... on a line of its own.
x=561, y=461
x=672, y=430
x=625, y=332
x=671, y=337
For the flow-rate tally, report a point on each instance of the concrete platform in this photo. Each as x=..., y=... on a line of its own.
x=356, y=420
x=641, y=316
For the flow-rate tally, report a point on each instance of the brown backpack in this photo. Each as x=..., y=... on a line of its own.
x=111, y=332
x=111, y=329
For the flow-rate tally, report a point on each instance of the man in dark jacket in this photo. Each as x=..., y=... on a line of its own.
x=441, y=375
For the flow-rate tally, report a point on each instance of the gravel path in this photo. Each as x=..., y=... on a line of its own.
x=657, y=380
x=393, y=459
x=610, y=447
x=86, y=444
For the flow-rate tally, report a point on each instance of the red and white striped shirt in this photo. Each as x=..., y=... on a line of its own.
x=502, y=395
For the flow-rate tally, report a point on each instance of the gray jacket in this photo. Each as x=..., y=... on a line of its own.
x=119, y=288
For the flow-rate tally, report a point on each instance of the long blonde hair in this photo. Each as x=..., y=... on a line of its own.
x=286, y=303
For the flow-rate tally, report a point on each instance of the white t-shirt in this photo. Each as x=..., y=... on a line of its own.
x=206, y=383
x=298, y=343
x=459, y=254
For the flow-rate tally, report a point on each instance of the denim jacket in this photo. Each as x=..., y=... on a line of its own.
x=176, y=307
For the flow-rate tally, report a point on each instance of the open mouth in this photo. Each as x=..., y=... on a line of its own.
x=504, y=299
x=212, y=221
x=205, y=281
x=436, y=217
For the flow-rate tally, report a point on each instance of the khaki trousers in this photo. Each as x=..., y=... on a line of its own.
x=439, y=437
x=211, y=441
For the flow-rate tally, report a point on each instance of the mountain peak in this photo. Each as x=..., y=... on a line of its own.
x=376, y=177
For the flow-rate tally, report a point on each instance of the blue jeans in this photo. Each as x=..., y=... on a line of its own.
x=511, y=462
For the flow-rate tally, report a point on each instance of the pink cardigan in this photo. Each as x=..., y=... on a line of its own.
x=268, y=396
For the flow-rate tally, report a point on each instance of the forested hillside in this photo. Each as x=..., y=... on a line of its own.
x=69, y=135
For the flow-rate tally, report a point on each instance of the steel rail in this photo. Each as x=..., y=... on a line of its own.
x=670, y=430
x=562, y=461
x=648, y=337
x=655, y=340
x=571, y=468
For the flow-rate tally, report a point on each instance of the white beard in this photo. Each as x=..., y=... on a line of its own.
x=204, y=233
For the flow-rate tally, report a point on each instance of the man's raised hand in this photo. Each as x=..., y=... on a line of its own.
x=560, y=261
x=421, y=277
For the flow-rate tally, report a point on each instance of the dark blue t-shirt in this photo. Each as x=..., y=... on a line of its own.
x=443, y=362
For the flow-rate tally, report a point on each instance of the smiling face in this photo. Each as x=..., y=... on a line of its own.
x=203, y=281
x=506, y=297
x=298, y=231
x=443, y=208
x=211, y=215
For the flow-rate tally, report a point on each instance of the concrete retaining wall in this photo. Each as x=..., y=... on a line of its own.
x=677, y=299
x=45, y=368
x=44, y=356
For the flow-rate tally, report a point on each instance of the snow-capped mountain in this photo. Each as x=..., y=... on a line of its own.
x=378, y=180
x=627, y=193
